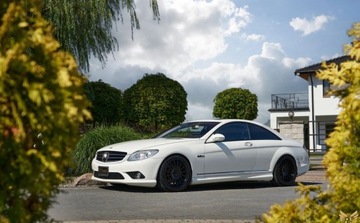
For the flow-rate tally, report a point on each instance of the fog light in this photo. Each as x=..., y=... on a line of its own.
x=136, y=175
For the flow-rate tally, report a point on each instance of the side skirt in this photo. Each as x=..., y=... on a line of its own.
x=232, y=176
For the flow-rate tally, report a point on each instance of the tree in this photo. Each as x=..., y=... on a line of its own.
x=106, y=102
x=84, y=27
x=40, y=92
x=342, y=160
x=155, y=102
x=235, y=103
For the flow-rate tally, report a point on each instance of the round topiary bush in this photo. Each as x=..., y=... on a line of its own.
x=95, y=139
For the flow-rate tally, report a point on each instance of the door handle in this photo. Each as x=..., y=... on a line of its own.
x=248, y=144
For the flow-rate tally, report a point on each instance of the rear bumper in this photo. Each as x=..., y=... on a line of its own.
x=303, y=165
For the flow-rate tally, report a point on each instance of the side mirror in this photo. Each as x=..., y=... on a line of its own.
x=216, y=138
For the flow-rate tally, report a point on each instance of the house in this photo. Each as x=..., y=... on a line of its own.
x=307, y=117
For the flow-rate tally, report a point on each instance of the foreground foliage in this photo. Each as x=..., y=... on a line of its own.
x=340, y=202
x=40, y=92
x=95, y=139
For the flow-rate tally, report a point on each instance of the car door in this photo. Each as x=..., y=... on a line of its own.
x=266, y=143
x=233, y=156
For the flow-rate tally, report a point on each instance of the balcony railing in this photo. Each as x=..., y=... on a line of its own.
x=290, y=101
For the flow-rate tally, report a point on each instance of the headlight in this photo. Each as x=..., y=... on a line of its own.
x=142, y=154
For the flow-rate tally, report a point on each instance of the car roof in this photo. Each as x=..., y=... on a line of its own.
x=224, y=121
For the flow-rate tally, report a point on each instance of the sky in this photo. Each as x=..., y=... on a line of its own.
x=212, y=45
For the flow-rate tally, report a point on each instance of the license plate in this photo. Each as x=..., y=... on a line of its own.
x=103, y=171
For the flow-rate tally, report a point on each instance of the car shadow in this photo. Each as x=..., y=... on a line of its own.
x=240, y=185
x=203, y=187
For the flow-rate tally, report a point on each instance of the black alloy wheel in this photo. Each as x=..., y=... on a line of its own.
x=285, y=171
x=174, y=174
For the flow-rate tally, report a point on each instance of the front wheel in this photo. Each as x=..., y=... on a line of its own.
x=174, y=174
x=285, y=171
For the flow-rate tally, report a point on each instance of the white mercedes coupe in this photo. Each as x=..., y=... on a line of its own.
x=205, y=151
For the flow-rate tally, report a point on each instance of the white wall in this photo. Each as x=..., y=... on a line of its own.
x=323, y=105
x=277, y=117
x=326, y=109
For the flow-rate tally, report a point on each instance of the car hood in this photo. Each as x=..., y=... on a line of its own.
x=157, y=143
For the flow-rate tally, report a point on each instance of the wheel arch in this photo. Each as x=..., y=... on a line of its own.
x=284, y=151
x=174, y=154
x=284, y=174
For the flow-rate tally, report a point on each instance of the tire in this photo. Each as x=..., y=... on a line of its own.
x=174, y=174
x=285, y=171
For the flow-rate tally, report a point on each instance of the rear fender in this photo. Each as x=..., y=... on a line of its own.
x=279, y=153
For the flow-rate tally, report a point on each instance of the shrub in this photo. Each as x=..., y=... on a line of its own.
x=96, y=139
x=154, y=103
x=235, y=103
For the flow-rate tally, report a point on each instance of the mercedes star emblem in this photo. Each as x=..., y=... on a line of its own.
x=105, y=157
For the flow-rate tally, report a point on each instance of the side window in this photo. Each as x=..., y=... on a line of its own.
x=234, y=131
x=260, y=133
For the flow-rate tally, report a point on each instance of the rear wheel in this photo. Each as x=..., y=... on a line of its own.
x=174, y=174
x=285, y=171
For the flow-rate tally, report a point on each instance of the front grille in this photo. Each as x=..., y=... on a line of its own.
x=111, y=175
x=110, y=156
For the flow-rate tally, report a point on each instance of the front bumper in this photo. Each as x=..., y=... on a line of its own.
x=135, y=173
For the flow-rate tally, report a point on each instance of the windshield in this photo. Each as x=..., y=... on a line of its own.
x=189, y=130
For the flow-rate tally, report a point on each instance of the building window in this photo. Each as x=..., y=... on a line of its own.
x=329, y=128
x=326, y=88
x=324, y=132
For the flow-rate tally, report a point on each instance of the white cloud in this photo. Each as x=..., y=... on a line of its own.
x=325, y=57
x=297, y=63
x=254, y=37
x=269, y=72
x=272, y=51
x=189, y=31
x=239, y=18
x=198, y=111
x=186, y=46
x=309, y=26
